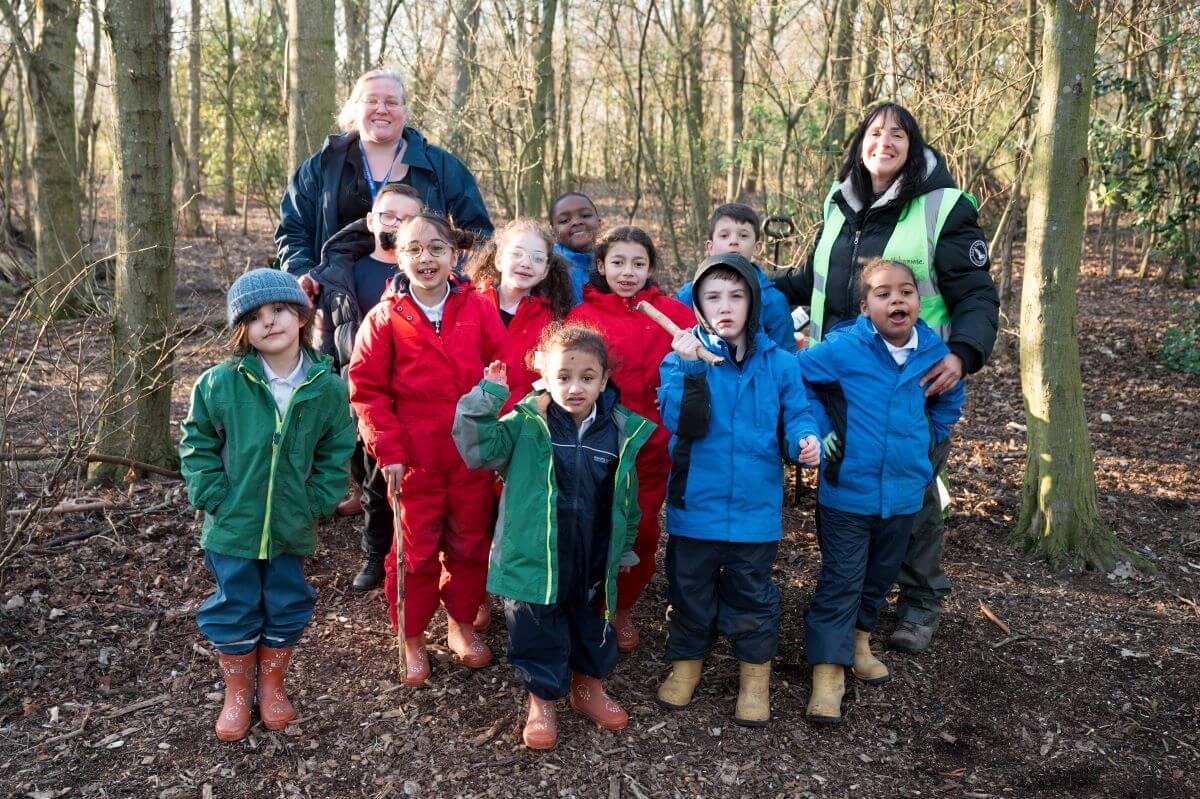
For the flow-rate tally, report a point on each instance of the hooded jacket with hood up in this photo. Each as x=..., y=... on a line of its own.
x=727, y=423
x=960, y=261
x=338, y=311
x=776, y=315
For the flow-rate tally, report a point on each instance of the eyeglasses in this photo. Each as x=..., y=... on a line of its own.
x=537, y=257
x=390, y=219
x=436, y=249
x=389, y=104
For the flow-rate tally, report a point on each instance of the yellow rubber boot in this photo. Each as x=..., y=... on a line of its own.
x=754, y=695
x=867, y=667
x=676, y=691
x=825, y=703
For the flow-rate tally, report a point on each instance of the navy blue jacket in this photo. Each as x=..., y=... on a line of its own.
x=726, y=424
x=308, y=213
x=889, y=428
x=776, y=313
x=338, y=311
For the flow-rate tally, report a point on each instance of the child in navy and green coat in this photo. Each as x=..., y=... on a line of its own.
x=568, y=519
x=732, y=425
x=880, y=431
x=264, y=454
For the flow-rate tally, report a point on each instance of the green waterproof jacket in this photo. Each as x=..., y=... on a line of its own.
x=524, y=559
x=263, y=479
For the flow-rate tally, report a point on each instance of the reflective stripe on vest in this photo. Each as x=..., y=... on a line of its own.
x=913, y=242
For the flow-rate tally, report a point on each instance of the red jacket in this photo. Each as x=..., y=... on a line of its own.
x=636, y=346
x=405, y=379
x=532, y=317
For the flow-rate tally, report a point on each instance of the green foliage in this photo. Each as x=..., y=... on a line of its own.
x=1181, y=345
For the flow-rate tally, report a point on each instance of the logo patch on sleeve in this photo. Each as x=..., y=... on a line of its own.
x=978, y=253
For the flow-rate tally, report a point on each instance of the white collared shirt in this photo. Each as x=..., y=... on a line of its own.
x=586, y=423
x=900, y=354
x=282, y=388
x=433, y=312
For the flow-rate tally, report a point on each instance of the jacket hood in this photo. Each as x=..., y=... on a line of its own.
x=750, y=273
x=340, y=253
x=414, y=154
x=397, y=287
x=863, y=328
x=937, y=176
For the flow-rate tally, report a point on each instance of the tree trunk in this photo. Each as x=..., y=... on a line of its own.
x=871, y=44
x=699, y=167
x=466, y=22
x=355, y=17
x=87, y=115
x=738, y=22
x=311, y=78
x=228, y=205
x=1059, y=520
x=839, y=76
x=533, y=177
x=567, y=156
x=190, y=218
x=50, y=87
x=137, y=401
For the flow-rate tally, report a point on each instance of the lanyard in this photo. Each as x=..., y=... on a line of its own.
x=371, y=182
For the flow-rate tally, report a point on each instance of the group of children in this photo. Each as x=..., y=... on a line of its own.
x=528, y=422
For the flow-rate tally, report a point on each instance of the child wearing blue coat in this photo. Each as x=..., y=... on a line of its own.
x=731, y=425
x=879, y=429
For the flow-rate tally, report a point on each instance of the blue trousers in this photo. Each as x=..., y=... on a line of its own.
x=720, y=587
x=256, y=600
x=547, y=642
x=860, y=557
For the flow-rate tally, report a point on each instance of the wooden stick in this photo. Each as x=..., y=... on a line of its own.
x=398, y=546
x=82, y=507
x=672, y=328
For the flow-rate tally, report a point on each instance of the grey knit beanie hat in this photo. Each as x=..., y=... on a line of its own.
x=259, y=287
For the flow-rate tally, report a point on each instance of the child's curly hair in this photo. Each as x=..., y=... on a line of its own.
x=877, y=265
x=484, y=271
x=569, y=336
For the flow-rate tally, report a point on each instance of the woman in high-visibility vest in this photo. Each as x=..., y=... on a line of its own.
x=895, y=199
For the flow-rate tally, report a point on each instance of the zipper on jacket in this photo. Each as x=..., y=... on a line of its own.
x=850, y=269
x=549, y=509
x=276, y=439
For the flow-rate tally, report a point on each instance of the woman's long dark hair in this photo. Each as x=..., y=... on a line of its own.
x=913, y=171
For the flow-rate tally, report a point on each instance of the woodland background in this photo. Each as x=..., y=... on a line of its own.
x=144, y=146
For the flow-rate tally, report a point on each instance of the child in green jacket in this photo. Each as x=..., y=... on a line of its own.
x=264, y=454
x=568, y=520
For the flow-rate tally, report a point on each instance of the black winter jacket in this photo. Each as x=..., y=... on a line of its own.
x=961, y=261
x=338, y=314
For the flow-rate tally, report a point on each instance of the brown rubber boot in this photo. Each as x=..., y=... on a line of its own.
x=825, y=703
x=467, y=646
x=238, y=670
x=676, y=691
x=274, y=708
x=867, y=667
x=589, y=699
x=416, y=661
x=627, y=634
x=754, y=695
x=541, y=725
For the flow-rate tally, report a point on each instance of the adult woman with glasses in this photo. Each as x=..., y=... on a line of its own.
x=337, y=185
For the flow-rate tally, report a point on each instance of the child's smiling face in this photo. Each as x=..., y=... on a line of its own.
x=425, y=257
x=892, y=303
x=576, y=223
x=626, y=268
x=522, y=261
x=274, y=329
x=574, y=379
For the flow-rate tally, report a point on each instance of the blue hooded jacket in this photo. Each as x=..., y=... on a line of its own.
x=776, y=313
x=889, y=428
x=731, y=428
x=582, y=265
x=308, y=213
